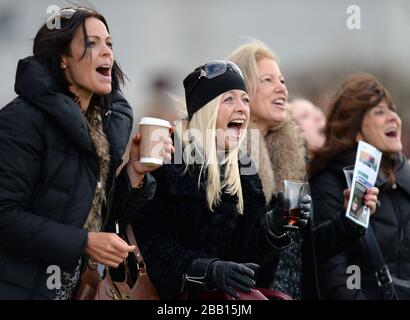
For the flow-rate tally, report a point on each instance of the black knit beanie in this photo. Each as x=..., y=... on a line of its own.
x=199, y=90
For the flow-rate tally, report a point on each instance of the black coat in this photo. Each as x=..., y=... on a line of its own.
x=176, y=227
x=339, y=244
x=48, y=175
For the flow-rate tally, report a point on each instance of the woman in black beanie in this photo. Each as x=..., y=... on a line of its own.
x=207, y=227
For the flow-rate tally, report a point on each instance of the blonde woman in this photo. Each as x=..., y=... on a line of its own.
x=281, y=156
x=207, y=226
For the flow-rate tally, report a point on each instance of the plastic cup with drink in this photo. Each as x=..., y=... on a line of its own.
x=294, y=192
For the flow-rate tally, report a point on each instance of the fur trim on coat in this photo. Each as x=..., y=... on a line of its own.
x=261, y=159
x=102, y=148
x=287, y=153
x=281, y=156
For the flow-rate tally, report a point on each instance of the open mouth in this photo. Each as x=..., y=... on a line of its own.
x=236, y=125
x=104, y=70
x=391, y=133
x=280, y=102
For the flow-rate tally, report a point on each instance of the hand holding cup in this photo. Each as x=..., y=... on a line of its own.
x=150, y=148
x=297, y=204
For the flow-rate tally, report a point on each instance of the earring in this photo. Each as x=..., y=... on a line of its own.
x=64, y=67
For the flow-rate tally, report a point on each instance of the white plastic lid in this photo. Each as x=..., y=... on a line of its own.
x=154, y=122
x=151, y=161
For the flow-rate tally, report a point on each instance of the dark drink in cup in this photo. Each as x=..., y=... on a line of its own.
x=291, y=215
x=294, y=192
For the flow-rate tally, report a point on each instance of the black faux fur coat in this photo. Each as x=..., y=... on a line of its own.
x=176, y=227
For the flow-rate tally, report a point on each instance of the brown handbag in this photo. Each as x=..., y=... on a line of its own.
x=94, y=287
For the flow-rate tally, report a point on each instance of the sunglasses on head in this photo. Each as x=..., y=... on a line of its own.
x=67, y=13
x=216, y=68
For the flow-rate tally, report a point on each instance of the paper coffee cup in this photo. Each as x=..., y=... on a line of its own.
x=153, y=133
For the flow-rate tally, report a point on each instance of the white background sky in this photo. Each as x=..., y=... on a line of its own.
x=152, y=36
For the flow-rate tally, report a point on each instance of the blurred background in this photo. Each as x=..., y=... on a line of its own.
x=158, y=42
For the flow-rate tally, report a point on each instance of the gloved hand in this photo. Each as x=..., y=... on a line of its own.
x=229, y=276
x=276, y=223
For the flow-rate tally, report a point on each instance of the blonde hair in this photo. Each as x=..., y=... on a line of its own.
x=246, y=58
x=200, y=133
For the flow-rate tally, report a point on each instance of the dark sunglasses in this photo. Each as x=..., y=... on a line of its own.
x=216, y=68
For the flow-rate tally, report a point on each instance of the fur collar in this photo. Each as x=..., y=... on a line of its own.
x=287, y=153
x=261, y=159
x=101, y=145
x=282, y=155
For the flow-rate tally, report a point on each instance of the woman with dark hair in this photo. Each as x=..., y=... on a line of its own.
x=61, y=142
x=362, y=109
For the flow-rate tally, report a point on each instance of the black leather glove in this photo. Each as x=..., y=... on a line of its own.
x=305, y=211
x=276, y=224
x=229, y=276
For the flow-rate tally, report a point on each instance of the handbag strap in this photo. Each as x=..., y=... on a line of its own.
x=137, y=252
x=381, y=270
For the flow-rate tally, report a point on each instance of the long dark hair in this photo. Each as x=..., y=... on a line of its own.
x=51, y=43
x=357, y=95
